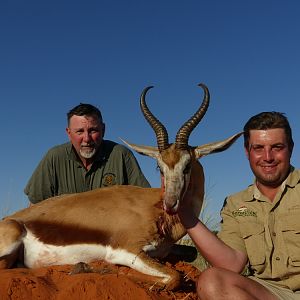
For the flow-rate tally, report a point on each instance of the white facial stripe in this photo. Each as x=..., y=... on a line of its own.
x=174, y=179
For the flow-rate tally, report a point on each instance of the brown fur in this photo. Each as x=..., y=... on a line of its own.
x=171, y=156
x=11, y=232
x=109, y=216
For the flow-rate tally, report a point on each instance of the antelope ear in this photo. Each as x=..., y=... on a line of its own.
x=216, y=146
x=144, y=150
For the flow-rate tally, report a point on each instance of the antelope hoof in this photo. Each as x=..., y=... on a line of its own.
x=174, y=282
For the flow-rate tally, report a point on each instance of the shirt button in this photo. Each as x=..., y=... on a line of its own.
x=274, y=233
x=277, y=258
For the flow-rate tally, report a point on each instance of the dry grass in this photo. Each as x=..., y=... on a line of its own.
x=200, y=263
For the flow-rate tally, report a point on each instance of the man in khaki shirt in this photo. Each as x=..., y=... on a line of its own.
x=260, y=225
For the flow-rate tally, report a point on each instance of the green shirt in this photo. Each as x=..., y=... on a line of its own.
x=61, y=172
x=268, y=232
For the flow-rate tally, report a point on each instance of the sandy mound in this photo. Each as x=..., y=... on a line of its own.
x=104, y=282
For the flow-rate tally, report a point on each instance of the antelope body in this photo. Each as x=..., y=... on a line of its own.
x=124, y=225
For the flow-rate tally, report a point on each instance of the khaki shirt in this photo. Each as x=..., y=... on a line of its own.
x=61, y=172
x=268, y=232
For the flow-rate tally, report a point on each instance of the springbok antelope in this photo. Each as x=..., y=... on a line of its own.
x=123, y=225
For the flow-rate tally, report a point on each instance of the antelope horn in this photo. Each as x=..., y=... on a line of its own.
x=159, y=129
x=182, y=136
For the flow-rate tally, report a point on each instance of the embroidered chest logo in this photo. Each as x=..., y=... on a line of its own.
x=244, y=211
x=109, y=179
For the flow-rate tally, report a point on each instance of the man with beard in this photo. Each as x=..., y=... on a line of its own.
x=86, y=162
x=260, y=226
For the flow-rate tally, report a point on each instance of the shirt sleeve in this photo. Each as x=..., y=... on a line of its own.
x=133, y=171
x=41, y=186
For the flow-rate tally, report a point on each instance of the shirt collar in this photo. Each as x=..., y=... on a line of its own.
x=294, y=177
x=292, y=180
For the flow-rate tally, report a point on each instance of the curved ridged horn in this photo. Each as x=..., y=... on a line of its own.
x=184, y=132
x=159, y=129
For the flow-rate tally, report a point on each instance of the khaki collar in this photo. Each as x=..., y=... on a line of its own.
x=292, y=180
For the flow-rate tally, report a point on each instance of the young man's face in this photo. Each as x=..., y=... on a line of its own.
x=86, y=134
x=269, y=156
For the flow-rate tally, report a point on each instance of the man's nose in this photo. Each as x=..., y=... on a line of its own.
x=86, y=136
x=268, y=154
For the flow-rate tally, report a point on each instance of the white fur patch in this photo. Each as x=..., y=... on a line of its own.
x=38, y=254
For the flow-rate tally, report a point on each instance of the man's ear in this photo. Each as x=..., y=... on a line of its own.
x=68, y=132
x=103, y=129
x=247, y=152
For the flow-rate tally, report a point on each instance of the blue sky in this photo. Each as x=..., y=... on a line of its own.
x=56, y=54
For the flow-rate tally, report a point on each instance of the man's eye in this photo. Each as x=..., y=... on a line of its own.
x=257, y=148
x=278, y=147
x=94, y=131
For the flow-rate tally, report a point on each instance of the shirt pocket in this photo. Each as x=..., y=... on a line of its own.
x=253, y=235
x=291, y=235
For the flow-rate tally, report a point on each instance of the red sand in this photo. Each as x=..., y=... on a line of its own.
x=105, y=282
